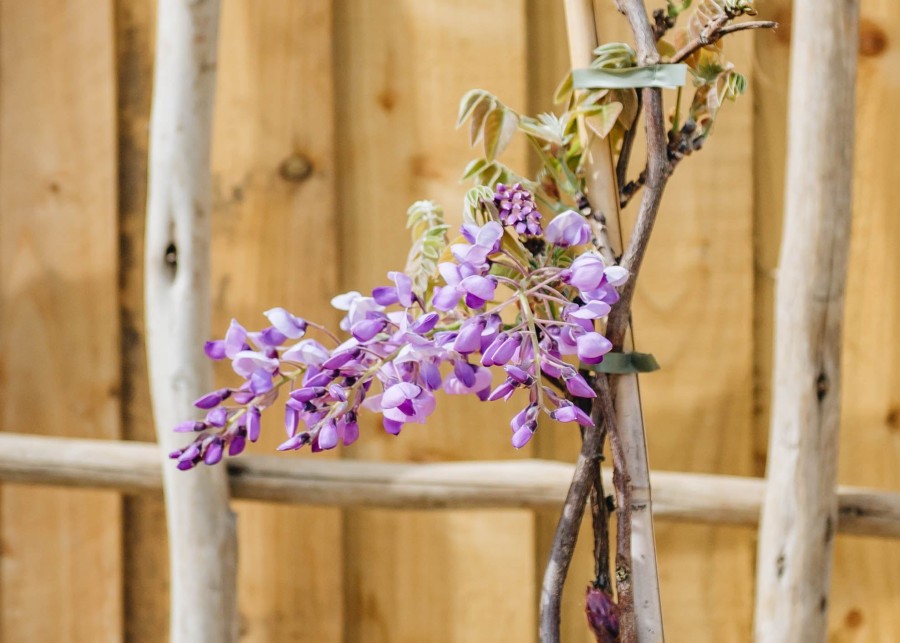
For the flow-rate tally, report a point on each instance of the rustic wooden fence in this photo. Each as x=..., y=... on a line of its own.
x=331, y=117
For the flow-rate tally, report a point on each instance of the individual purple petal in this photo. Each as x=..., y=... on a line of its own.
x=425, y=323
x=190, y=452
x=269, y=336
x=217, y=417
x=479, y=286
x=586, y=272
x=445, y=298
x=253, y=423
x=260, y=382
x=404, y=288
x=296, y=442
x=189, y=426
x=366, y=329
x=213, y=453
x=571, y=413
x=385, y=295
x=474, y=302
x=286, y=323
x=340, y=359
x=518, y=375
x=568, y=229
x=504, y=391
x=237, y=444
x=469, y=338
x=590, y=310
x=592, y=347
x=395, y=395
x=506, y=350
x=186, y=465
x=308, y=351
x=215, y=349
x=291, y=420
x=616, y=275
x=392, y=426
x=431, y=375
x=245, y=363
x=521, y=437
x=308, y=393
x=464, y=372
x=348, y=429
x=480, y=386
x=328, y=437
x=235, y=339
x=576, y=385
x=319, y=379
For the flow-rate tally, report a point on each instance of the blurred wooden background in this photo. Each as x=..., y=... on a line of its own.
x=332, y=116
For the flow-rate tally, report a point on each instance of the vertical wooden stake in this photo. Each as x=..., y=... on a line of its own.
x=800, y=509
x=603, y=193
x=202, y=547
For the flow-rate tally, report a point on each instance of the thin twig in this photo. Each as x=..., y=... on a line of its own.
x=698, y=43
x=706, y=40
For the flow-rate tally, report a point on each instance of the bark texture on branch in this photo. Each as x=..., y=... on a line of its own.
x=801, y=508
x=202, y=547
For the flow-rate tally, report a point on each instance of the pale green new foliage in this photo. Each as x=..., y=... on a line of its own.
x=425, y=220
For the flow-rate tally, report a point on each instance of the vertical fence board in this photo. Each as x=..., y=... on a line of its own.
x=61, y=554
x=146, y=567
x=403, y=66
x=274, y=245
x=864, y=592
x=865, y=588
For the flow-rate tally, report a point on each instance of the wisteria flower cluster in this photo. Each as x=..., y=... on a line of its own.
x=495, y=319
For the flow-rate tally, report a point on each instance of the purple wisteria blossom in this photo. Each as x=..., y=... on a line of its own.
x=494, y=322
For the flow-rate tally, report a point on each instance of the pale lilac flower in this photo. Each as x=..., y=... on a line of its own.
x=483, y=241
x=285, y=323
x=400, y=293
x=568, y=229
x=592, y=347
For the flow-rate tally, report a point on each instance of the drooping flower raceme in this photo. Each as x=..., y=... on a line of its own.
x=495, y=319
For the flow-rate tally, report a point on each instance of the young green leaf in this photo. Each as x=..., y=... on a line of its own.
x=499, y=127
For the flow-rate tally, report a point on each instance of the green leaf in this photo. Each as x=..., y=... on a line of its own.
x=614, y=55
x=499, y=127
x=625, y=363
x=479, y=113
x=469, y=102
x=602, y=118
x=564, y=90
x=473, y=168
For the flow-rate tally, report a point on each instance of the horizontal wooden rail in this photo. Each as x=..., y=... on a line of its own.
x=524, y=484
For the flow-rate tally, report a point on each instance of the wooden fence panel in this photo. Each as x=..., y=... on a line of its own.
x=402, y=68
x=59, y=332
x=146, y=562
x=364, y=94
x=865, y=597
x=275, y=230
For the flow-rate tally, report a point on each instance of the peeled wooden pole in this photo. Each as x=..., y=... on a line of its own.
x=801, y=507
x=603, y=193
x=202, y=546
